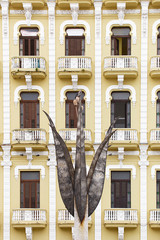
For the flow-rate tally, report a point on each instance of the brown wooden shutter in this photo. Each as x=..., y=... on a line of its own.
x=72, y=116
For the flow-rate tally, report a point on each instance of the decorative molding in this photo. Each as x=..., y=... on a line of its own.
x=23, y=23
x=28, y=12
x=120, y=233
x=29, y=81
x=126, y=153
x=74, y=81
x=121, y=11
x=22, y=12
x=154, y=96
x=98, y=13
x=154, y=11
x=74, y=12
x=153, y=153
x=70, y=87
x=29, y=167
x=121, y=154
x=28, y=231
x=144, y=16
x=119, y=23
x=34, y=153
x=155, y=32
x=116, y=87
x=128, y=11
x=5, y=28
x=70, y=23
x=29, y=154
x=24, y=88
x=80, y=12
x=120, y=167
x=153, y=170
x=120, y=79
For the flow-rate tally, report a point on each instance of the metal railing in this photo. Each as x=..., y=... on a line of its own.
x=70, y=134
x=121, y=215
x=155, y=62
x=28, y=62
x=29, y=215
x=154, y=215
x=64, y=215
x=125, y=135
x=29, y=134
x=74, y=63
x=120, y=62
x=155, y=135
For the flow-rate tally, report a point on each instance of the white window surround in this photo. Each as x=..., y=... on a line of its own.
x=155, y=32
x=70, y=87
x=154, y=96
x=116, y=88
x=23, y=23
x=29, y=167
x=115, y=23
x=24, y=87
x=69, y=23
x=153, y=170
x=120, y=168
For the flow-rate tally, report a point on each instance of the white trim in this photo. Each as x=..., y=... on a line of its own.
x=153, y=170
x=34, y=153
x=154, y=96
x=125, y=87
x=29, y=167
x=126, y=153
x=127, y=11
x=70, y=87
x=154, y=11
x=36, y=12
x=80, y=12
x=118, y=23
x=153, y=153
x=70, y=23
x=24, y=23
x=120, y=167
x=155, y=31
x=24, y=87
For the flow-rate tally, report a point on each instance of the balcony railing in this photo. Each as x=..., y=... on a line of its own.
x=154, y=215
x=28, y=63
x=70, y=134
x=121, y=215
x=123, y=62
x=155, y=67
x=29, y=215
x=155, y=135
x=124, y=135
x=29, y=134
x=74, y=63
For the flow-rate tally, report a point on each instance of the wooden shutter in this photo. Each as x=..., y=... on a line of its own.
x=72, y=116
x=129, y=46
x=30, y=114
x=74, y=46
x=158, y=45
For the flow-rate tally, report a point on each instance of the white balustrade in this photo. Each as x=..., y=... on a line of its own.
x=155, y=215
x=120, y=62
x=155, y=135
x=70, y=135
x=74, y=63
x=124, y=135
x=64, y=215
x=28, y=62
x=29, y=215
x=29, y=135
x=155, y=62
x=121, y=215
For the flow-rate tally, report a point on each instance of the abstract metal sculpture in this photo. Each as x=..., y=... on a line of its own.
x=75, y=186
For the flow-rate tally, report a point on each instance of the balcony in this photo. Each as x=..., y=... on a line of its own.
x=33, y=137
x=121, y=218
x=156, y=3
x=121, y=65
x=69, y=136
x=66, y=220
x=154, y=218
x=113, y=3
x=127, y=138
x=155, y=67
x=155, y=139
x=22, y=218
x=68, y=66
x=35, y=3
x=35, y=66
x=82, y=3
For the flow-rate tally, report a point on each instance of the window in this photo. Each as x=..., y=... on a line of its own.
x=29, y=110
x=120, y=190
x=121, y=41
x=121, y=108
x=30, y=190
x=75, y=42
x=158, y=42
x=29, y=42
x=158, y=111
x=158, y=190
x=71, y=116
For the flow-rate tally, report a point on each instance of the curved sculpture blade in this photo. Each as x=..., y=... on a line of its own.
x=80, y=168
x=96, y=174
x=64, y=168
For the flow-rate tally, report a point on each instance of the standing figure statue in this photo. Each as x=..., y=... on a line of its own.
x=80, y=192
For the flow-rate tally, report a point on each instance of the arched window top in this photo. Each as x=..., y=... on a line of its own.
x=158, y=94
x=29, y=95
x=121, y=31
x=73, y=95
x=120, y=95
x=28, y=32
x=75, y=31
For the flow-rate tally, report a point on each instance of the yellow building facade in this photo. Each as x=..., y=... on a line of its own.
x=51, y=49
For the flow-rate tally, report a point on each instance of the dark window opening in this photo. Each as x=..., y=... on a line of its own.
x=121, y=109
x=29, y=110
x=158, y=111
x=71, y=116
x=121, y=41
x=158, y=42
x=30, y=190
x=120, y=190
x=158, y=190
